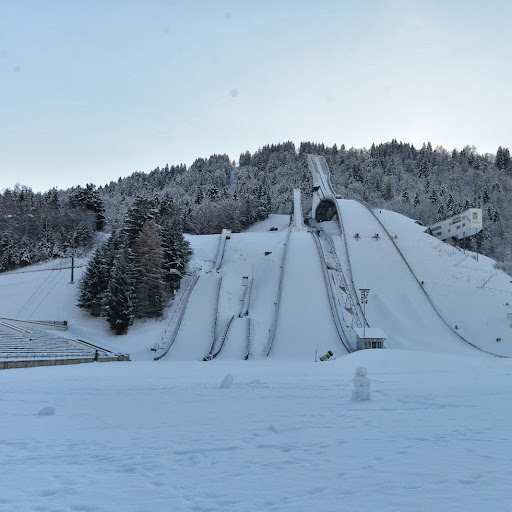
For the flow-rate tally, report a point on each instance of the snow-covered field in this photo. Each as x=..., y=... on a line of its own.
x=285, y=436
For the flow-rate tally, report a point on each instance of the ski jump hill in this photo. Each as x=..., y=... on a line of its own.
x=286, y=289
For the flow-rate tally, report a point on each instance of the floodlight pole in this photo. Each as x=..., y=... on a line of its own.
x=364, y=300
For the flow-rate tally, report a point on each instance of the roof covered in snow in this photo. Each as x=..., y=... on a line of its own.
x=370, y=333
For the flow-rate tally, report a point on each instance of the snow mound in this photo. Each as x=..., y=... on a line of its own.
x=47, y=411
x=227, y=381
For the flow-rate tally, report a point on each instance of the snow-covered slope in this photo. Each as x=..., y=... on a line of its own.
x=286, y=436
x=466, y=293
x=396, y=303
x=465, y=287
x=305, y=323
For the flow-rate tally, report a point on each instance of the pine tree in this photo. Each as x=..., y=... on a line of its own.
x=502, y=158
x=143, y=209
x=424, y=170
x=213, y=193
x=388, y=187
x=245, y=159
x=199, y=196
x=376, y=186
x=450, y=206
x=440, y=212
x=149, y=265
x=88, y=198
x=118, y=303
x=93, y=285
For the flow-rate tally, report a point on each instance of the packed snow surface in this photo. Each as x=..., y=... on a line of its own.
x=285, y=436
x=279, y=433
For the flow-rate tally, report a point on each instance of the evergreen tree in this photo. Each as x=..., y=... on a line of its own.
x=424, y=170
x=118, y=304
x=213, y=193
x=9, y=251
x=440, y=212
x=149, y=266
x=87, y=198
x=376, y=187
x=93, y=285
x=143, y=209
x=245, y=159
x=450, y=206
x=388, y=187
x=199, y=196
x=502, y=158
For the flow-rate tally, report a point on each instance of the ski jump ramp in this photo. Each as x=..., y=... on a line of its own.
x=298, y=221
x=397, y=303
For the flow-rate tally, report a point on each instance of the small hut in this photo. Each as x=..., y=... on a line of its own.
x=370, y=337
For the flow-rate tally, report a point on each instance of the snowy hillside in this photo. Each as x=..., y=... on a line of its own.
x=285, y=436
x=466, y=293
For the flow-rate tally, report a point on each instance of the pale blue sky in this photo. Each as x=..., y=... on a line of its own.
x=92, y=90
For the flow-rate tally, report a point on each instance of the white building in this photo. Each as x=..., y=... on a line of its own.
x=465, y=224
x=370, y=337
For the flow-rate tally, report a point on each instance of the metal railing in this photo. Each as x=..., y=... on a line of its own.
x=223, y=338
x=177, y=318
x=330, y=295
x=214, y=330
x=249, y=338
x=273, y=327
x=348, y=286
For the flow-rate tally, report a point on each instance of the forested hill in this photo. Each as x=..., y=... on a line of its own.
x=426, y=184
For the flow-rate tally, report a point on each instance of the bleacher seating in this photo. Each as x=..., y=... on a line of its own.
x=41, y=345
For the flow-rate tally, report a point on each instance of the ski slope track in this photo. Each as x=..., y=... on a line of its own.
x=421, y=285
x=332, y=295
x=408, y=318
x=405, y=291
x=305, y=323
x=196, y=331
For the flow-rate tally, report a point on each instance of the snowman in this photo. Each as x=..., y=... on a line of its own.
x=362, y=385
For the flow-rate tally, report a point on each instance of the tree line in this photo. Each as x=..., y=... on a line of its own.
x=36, y=227
x=138, y=269
x=154, y=209
x=427, y=184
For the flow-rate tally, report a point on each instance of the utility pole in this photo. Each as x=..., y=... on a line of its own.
x=364, y=300
x=72, y=270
